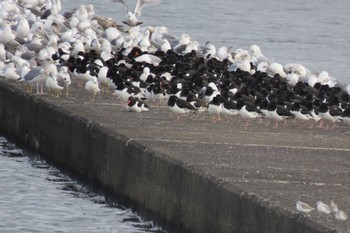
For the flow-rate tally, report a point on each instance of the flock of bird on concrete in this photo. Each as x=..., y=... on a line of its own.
x=144, y=64
x=322, y=208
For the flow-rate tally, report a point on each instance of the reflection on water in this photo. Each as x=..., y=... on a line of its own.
x=36, y=197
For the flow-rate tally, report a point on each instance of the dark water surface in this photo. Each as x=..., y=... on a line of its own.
x=36, y=197
x=314, y=33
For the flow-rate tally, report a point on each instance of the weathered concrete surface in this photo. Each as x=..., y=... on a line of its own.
x=197, y=175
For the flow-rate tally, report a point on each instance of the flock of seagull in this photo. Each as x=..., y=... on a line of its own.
x=331, y=209
x=145, y=64
x=42, y=47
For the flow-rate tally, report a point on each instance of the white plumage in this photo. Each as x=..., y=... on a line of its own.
x=51, y=84
x=323, y=208
x=303, y=207
x=92, y=87
x=131, y=19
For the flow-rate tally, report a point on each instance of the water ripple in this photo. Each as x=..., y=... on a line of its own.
x=36, y=197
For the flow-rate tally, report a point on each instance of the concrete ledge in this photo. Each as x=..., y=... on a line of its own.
x=181, y=194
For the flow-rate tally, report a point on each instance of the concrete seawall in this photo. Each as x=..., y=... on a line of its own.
x=192, y=174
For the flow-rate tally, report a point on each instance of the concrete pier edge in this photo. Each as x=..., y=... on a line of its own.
x=181, y=195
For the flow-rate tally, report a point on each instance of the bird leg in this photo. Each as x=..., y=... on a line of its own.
x=246, y=122
x=216, y=119
x=326, y=127
x=67, y=90
x=29, y=88
x=58, y=93
x=37, y=89
x=40, y=89
x=333, y=126
x=93, y=96
x=321, y=123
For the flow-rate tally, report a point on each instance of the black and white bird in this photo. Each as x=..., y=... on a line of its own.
x=248, y=110
x=301, y=113
x=144, y=107
x=329, y=115
x=179, y=106
x=125, y=89
x=200, y=104
x=132, y=105
x=215, y=107
x=278, y=113
x=210, y=93
x=346, y=116
x=229, y=108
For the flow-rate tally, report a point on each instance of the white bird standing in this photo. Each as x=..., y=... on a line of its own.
x=24, y=70
x=37, y=76
x=78, y=46
x=65, y=77
x=23, y=28
x=323, y=208
x=303, y=207
x=145, y=43
x=165, y=45
x=257, y=56
x=10, y=72
x=325, y=79
x=209, y=50
x=92, y=86
x=224, y=53
x=52, y=85
x=103, y=79
x=145, y=73
x=243, y=62
x=6, y=34
x=131, y=19
x=292, y=79
x=2, y=53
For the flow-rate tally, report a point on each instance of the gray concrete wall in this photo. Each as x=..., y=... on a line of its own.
x=180, y=195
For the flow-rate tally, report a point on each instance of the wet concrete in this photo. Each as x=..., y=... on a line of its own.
x=198, y=175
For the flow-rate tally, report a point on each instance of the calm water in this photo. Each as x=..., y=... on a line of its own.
x=314, y=33
x=36, y=197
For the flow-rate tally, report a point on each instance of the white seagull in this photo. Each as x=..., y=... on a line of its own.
x=131, y=19
x=65, y=77
x=92, y=86
x=10, y=72
x=51, y=84
x=303, y=207
x=7, y=37
x=257, y=56
x=323, y=208
x=341, y=215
